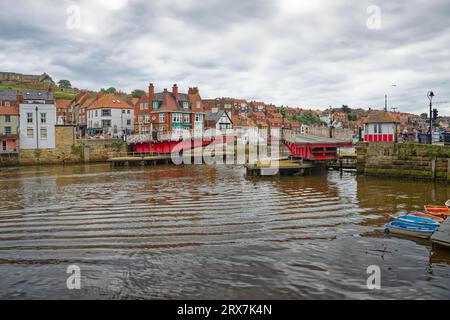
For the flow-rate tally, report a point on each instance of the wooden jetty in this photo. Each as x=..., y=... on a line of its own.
x=279, y=168
x=139, y=160
x=442, y=236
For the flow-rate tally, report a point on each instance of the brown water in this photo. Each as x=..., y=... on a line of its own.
x=203, y=232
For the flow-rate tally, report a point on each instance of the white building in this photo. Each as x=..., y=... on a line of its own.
x=37, y=126
x=37, y=120
x=219, y=120
x=109, y=115
x=380, y=127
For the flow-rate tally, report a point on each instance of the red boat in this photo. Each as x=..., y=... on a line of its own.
x=426, y=215
x=441, y=211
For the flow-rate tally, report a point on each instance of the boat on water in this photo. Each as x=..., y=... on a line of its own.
x=443, y=211
x=421, y=221
x=427, y=215
x=411, y=230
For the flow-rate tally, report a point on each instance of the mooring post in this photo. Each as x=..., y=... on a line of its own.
x=433, y=168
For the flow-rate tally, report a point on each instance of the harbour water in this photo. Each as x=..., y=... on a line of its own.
x=210, y=232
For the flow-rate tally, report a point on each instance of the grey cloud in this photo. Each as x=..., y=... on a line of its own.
x=305, y=55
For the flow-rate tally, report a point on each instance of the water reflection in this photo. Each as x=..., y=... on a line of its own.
x=210, y=232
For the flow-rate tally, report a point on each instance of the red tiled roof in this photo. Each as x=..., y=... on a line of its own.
x=9, y=111
x=109, y=101
x=63, y=104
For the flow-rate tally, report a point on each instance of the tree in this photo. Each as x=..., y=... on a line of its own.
x=424, y=115
x=346, y=109
x=111, y=90
x=138, y=93
x=64, y=84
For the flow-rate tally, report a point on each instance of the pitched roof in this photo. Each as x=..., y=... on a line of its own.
x=36, y=94
x=109, y=101
x=8, y=95
x=215, y=116
x=168, y=102
x=9, y=111
x=381, y=117
x=63, y=104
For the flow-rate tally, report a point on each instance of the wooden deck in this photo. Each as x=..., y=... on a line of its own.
x=277, y=168
x=442, y=236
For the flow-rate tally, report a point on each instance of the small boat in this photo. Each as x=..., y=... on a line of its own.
x=427, y=215
x=448, y=204
x=442, y=211
x=417, y=231
x=421, y=221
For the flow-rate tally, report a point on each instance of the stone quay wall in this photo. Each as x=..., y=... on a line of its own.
x=412, y=160
x=68, y=150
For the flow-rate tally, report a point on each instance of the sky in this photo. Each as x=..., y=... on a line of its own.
x=309, y=54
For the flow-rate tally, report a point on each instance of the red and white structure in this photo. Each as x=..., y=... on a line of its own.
x=380, y=127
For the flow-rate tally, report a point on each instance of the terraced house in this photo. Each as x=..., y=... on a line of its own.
x=110, y=115
x=174, y=111
x=9, y=122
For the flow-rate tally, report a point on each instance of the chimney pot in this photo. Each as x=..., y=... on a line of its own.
x=175, y=90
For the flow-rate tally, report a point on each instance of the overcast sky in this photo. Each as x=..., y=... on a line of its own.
x=312, y=54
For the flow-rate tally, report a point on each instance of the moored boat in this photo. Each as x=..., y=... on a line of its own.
x=421, y=221
x=427, y=215
x=417, y=231
x=438, y=210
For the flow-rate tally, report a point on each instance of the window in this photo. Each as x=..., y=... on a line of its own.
x=30, y=133
x=128, y=111
x=185, y=104
x=128, y=122
x=96, y=113
x=155, y=104
x=7, y=104
x=44, y=133
x=7, y=130
x=43, y=118
x=147, y=119
x=4, y=146
x=141, y=106
x=106, y=113
x=7, y=118
x=162, y=118
x=123, y=111
x=140, y=119
x=198, y=118
x=227, y=106
x=30, y=117
x=199, y=104
x=176, y=117
x=379, y=129
x=187, y=118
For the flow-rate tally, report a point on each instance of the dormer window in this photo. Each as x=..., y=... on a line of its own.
x=185, y=104
x=155, y=104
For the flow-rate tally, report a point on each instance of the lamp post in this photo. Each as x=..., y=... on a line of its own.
x=37, y=128
x=430, y=96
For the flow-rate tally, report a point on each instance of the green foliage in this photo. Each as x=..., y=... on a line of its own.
x=308, y=119
x=138, y=93
x=346, y=109
x=64, y=84
x=111, y=90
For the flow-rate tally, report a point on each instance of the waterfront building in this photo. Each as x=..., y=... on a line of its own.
x=79, y=109
x=381, y=127
x=174, y=111
x=219, y=120
x=110, y=115
x=9, y=122
x=37, y=119
x=142, y=116
x=63, y=111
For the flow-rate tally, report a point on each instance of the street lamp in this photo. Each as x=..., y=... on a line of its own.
x=430, y=96
x=37, y=128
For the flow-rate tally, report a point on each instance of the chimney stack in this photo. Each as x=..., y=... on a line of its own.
x=151, y=90
x=175, y=91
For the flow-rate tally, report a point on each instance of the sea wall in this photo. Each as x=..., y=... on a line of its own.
x=68, y=150
x=412, y=160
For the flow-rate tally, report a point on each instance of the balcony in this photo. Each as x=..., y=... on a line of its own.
x=5, y=136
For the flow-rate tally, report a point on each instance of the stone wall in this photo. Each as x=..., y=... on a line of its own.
x=404, y=160
x=68, y=150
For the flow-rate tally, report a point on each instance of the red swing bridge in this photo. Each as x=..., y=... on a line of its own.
x=307, y=147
